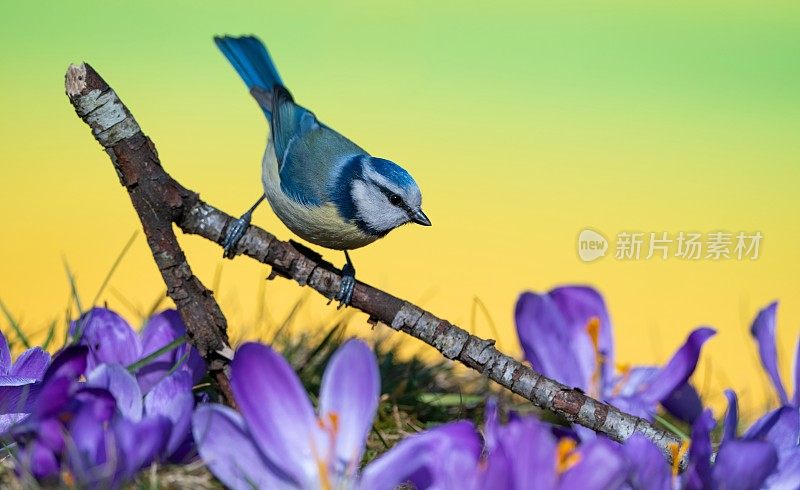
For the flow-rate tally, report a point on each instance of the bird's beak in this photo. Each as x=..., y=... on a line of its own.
x=419, y=217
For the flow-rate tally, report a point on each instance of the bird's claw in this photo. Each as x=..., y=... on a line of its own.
x=346, y=286
x=235, y=233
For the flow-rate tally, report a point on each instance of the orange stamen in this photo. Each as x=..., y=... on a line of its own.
x=324, y=478
x=566, y=456
x=677, y=452
x=68, y=479
x=593, y=329
x=333, y=417
x=329, y=423
x=625, y=371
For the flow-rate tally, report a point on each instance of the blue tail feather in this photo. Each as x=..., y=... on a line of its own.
x=252, y=62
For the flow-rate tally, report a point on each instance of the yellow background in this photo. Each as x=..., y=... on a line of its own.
x=523, y=123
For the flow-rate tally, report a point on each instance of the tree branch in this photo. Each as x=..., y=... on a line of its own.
x=160, y=201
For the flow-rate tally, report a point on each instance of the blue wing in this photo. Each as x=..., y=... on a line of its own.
x=307, y=151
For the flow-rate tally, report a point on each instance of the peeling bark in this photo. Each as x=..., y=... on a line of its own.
x=160, y=201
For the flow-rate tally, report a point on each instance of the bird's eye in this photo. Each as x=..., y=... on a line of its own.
x=395, y=199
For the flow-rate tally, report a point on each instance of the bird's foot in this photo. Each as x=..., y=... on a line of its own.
x=345, y=294
x=235, y=233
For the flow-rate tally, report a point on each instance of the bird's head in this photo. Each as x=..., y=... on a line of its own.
x=383, y=196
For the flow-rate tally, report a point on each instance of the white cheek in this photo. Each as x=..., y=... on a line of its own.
x=373, y=208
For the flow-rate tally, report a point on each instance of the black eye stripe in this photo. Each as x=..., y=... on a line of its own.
x=394, y=199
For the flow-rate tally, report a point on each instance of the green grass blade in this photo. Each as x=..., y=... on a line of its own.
x=15, y=326
x=332, y=333
x=477, y=303
x=180, y=362
x=672, y=427
x=51, y=333
x=114, y=266
x=155, y=305
x=449, y=399
x=74, y=288
x=126, y=302
x=288, y=320
x=156, y=354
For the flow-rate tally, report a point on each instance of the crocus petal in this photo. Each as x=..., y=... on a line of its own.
x=579, y=304
x=763, y=329
x=635, y=381
x=684, y=403
x=626, y=392
x=172, y=398
x=600, y=467
x=496, y=470
x=634, y=405
x=109, y=338
x=781, y=428
x=140, y=442
x=276, y=408
x=743, y=465
x=731, y=422
x=797, y=375
x=226, y=447
x=547, y=340
x=698, y=474
x=647, y=468
x=15, y=381
x=349, y=398
x=787, y=474
x=530, y=449
x=69, y=362
x=416, y=458
x=86, y=445
x=39, y=461
x=122, y=386
x=194, y=364
x=185, y=453
x=161, y=330
x=5, y=355
x=18, y=397
x=678, y=370
x=50, y=432
x=158, y=332
x=53, y=396
x=31, y=364
x=7, y=420
x=491, y=424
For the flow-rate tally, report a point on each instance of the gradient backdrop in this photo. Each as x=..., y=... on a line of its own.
x=522, y=122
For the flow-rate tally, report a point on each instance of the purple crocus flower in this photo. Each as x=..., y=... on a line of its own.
x=101, y=432
x=780, y=429
x=279, y=441
x=39, y=437
x=523, y=454
x=744, y=463
x=763, y=330
x=111, y=340
x=19, y=382
x=749, y=462
x=566, y=334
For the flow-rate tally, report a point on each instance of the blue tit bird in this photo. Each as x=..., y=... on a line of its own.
x=325, y=188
